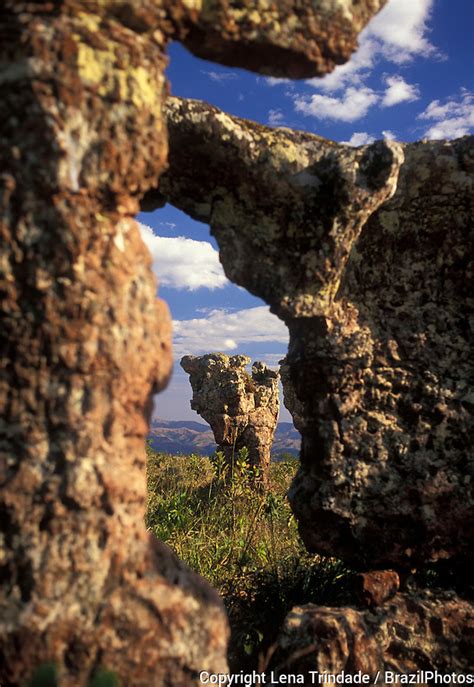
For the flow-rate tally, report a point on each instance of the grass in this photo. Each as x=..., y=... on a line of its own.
x=243, y=540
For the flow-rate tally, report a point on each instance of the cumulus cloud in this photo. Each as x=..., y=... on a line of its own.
x=182, y=263
x=399, y=91
x=398, y=33
x=389, y=135
x=354, y=104
x=353, y=71
x=401, y=29
x=276, y=118
x=359, y=138
x=451, y=119
x=225, y=331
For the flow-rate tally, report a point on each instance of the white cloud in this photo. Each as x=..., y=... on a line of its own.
x=389, y=135
x=219, y=77
x=352, y=71
x=451, y=119
x=399, y=91
x=225, y=331
x=401, y=28
x=276, y=118
x=354, y=104
x=359, y=138
x=397, y=33
x=182, y=263
x=276, y=81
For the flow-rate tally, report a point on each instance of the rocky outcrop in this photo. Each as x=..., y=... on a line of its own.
x=285, y=38
x=84, y=342
x=242, y=409
x=411, y=634
x=365, y=254
x=392, y=429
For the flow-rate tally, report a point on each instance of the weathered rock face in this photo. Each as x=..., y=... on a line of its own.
x=242, y=409
x=377, y=371
x=84, y=342
x=387, y=458
x=308, y=197
x=80, y=328
x=412, y=632
x=283, y=38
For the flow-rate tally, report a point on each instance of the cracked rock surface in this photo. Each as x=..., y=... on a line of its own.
x=241, y=408
x=365, y=253
x=414, y=631
x=84, y=342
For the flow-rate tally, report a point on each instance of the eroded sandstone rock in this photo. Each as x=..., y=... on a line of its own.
x=242, y=409
x=377, y=372
x=414, y=631
x=83, y=340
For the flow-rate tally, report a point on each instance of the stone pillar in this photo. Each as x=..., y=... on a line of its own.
x=83, y=340
x=242, y=409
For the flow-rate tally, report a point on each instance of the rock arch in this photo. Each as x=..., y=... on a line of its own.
x=365, y=254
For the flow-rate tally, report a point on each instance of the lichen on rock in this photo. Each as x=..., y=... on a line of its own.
x=412, y=633
x=365, y=255
x=84, y=342
x=241, y=408
x=284, y=38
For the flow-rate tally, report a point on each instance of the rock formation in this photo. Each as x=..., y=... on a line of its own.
x=242, y=409
x=376, y=375
x=366, y=254
x=84, y=342
x=417, y=631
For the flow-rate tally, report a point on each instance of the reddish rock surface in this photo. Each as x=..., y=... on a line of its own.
x=412, y=632
x=366, y=255
x=241, y=408
x=377, y=586
x=286, y=38
x=84, y=342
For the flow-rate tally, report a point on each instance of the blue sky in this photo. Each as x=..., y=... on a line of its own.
x=411, y=78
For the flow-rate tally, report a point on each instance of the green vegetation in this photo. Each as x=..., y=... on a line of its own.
x=244, y=540
x=46, y=675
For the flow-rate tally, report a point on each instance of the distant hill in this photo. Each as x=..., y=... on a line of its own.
x=186, y=436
